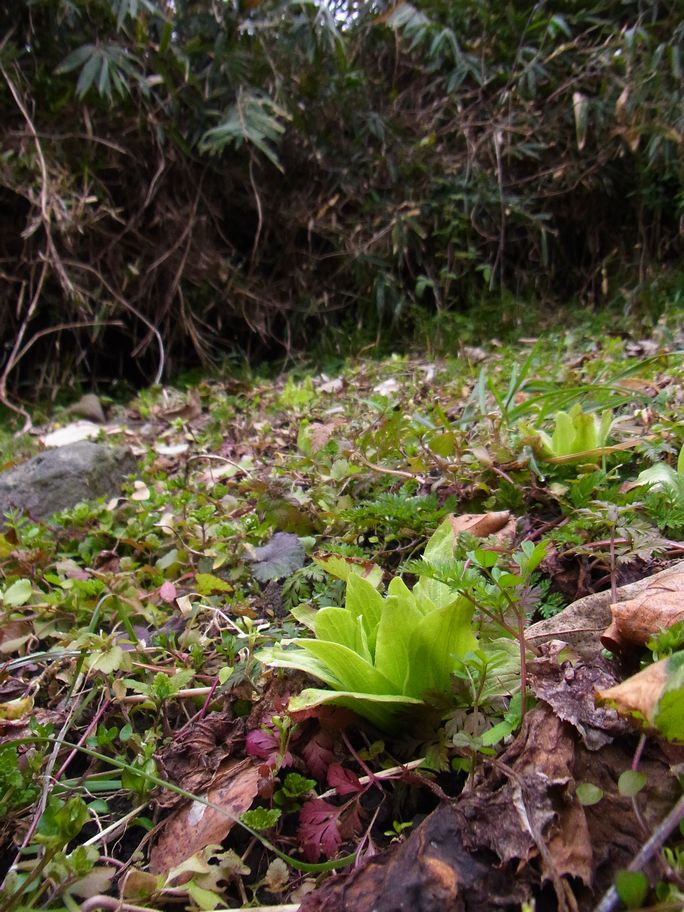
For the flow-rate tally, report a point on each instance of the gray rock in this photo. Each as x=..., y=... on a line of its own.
x=90, y=407
x=60, y=478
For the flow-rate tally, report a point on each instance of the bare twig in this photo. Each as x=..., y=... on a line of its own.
x=611, y=900
x=399, y=473
x=128, y=306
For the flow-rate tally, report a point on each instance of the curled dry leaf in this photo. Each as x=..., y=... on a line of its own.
x=656, y=694
x=187, y=411
x=13, y=635
x=497, y=523
x=640, y=694
x=581, y=623
x=195, y=826
x=658, y=607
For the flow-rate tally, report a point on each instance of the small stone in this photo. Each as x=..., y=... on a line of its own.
x=60, y=478
x=90, y=407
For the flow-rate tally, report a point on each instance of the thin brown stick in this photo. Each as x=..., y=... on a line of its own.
x=399, y=473
x=130, y=307
x=667, y=826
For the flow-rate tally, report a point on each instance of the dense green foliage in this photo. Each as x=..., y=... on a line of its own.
x=183, y=179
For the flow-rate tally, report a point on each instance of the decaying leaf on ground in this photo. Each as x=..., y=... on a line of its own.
x=654, y=695
x=194, y=826
x=655, y=608
x=581, y=623
x=196, y=753
x=568, y=684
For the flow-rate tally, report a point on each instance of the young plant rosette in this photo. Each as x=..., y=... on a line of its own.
x=383, y=656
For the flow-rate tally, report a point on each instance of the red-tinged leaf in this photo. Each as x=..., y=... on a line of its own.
x=351, y=822
x=344, y=781
x=318, y=753
x=318, y=831
x=264, y=743
x=167, y=592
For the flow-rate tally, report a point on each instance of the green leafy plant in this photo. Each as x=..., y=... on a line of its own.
x=576, y=433
x=662, y=476
x=381, y=655
x=16, y=784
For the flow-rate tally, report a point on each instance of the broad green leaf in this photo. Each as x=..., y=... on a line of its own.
x=660, y=475
x=669, y=714
x=496, y=733
x=563, y=438
x=166, y=561
x=384, y=710
x=114, y=659
x=439, y=550
x=632, y=888
x=438, y=640
x=631, y=783
x=426, y=605
x=363, y=600
x=577, y=432
x=261, y=818
x=440, y=547
x=207, y=583
x=206, y=899
x=588, y=793
x=305, y=614
x=398, y=590
x=397, y=625
x=18, y=593
x=351, y=671
x=586, y=433
x=503, y=667
x=345, y=568
x=277, y=657
x=337, y=625
x=430, y=592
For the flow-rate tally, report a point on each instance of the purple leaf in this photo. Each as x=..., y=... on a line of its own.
x=318, y=831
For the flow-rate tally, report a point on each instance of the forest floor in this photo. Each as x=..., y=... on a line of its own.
x=289, y=667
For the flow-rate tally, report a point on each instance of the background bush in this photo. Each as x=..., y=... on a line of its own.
x=182, y=180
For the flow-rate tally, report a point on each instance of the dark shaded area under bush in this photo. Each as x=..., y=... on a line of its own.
x=182, y=182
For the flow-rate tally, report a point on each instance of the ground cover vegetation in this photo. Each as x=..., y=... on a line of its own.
x=181, y=181
x=303, y=629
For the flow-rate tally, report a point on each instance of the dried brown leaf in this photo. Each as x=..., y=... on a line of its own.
x=194, y=826
x=319, y=434
x=581, y=623
x=13, y=635
x=640, y=693
x=484, y=524
x=568, y=685
x=658, y=607
x=195, y=755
